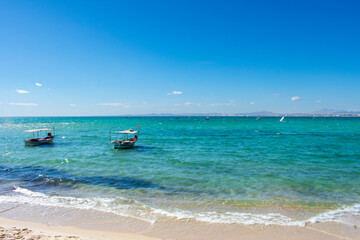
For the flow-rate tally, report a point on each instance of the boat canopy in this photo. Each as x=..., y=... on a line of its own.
x=125, y=131
x=39, y=130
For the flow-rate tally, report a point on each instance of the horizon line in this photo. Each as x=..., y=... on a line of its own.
x=202, y=115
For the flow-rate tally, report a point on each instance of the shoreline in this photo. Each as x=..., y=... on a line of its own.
x=90, y=224
x=288, y=215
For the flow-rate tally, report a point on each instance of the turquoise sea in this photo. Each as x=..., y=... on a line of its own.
x=226, y=169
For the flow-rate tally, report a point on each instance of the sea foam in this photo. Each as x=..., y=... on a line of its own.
x=132, y=208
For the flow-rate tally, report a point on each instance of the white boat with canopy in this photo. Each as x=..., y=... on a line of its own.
x=125, y=141
x=36, y=140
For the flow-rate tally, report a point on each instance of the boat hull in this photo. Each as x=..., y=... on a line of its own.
x=123, y=145
x=32, y=143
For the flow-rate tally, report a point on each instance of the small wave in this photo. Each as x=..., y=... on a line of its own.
x=337, y=215
x=5, y=154
x=132, y=208
x=234, y=217
x=119, y=206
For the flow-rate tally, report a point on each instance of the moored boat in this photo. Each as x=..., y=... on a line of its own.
x=36, y=141
x=125, y=141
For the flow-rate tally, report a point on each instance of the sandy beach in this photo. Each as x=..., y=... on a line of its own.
x=14, y=229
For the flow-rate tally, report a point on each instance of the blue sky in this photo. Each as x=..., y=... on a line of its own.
x=140, y=57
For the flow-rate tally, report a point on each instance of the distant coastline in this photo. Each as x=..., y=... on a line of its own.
x=321, y=113
x=355, y=114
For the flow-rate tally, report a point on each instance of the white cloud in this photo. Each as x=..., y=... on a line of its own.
x=319, y=101
x=275, y=94
x=175, y=93
x=21, y=91
x=295, y=98
x=38, y=84
x=114, y=105
x=72, y=105
x=252, y=103
x=184, y=104
x=230, y=103
x=24, y=104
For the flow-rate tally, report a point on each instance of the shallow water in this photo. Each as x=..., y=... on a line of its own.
x=227, y=169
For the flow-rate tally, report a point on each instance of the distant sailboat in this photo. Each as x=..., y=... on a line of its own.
x=258, y=118
x=282, y=119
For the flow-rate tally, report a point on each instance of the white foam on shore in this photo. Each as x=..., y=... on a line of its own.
x=132, y=208
x=120, y=206
x=234, y=217
x=337, y=215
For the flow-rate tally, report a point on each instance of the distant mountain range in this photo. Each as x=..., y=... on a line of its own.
x=336, y=112
x=263, y=113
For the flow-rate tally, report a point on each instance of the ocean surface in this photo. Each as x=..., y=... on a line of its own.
x=223, y=170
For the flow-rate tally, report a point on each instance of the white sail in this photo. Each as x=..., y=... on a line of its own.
x=282, y=119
